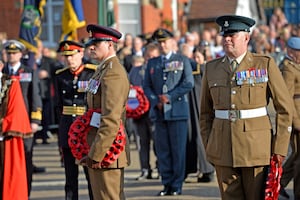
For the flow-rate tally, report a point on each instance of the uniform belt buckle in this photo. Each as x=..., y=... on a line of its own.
x=233, y=115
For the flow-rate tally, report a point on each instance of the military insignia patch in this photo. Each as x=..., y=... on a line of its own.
x=151, y=71
x=226, y=24
x=12, y=46
x=66, y=47
x=160, y=32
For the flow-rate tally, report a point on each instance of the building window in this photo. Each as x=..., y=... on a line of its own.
x=51, y=23
x=129, y=16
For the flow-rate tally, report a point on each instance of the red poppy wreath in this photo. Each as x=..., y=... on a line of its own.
x=78, y=133
x=138, y=104
x=78, y=139
x=273, y=180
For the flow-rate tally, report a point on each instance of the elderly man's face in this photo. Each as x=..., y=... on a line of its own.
x=296, y=56
x=74, y=61
x=235, y=44
x=166, y=45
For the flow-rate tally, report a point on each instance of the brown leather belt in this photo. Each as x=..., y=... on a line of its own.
x=74, y=110
x=296, y=96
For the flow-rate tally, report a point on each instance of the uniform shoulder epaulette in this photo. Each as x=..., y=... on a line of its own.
x=220, y=59
x=61, y=70
x=261, y=55
x=197, y=71
x=90, y=66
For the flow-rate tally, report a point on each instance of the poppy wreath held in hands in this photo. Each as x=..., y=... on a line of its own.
x=273, y=180
x=137, y=103
x=78, y=134
x=78, y=139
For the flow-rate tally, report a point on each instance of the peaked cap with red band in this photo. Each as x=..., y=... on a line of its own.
x=102, y=33
x=68, y=47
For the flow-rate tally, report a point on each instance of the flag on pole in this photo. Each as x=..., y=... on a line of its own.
x=30, y=28
x=72, y=19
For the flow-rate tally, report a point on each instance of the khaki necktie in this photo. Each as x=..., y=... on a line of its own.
x=233, y=65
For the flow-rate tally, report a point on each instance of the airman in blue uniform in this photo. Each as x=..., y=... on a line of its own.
x=168, y=79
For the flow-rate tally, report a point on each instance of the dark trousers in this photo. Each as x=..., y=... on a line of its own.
x=142, y=128
x=292, y=165
x=170, y=143
x=71, y=173
x=46, y=120
x=28, y=147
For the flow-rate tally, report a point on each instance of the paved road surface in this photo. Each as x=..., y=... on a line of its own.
x=50, y=185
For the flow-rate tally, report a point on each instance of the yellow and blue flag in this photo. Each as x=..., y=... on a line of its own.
x=30, y=28
x=72, y=19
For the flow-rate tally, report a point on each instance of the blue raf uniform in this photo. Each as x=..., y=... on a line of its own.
x=169, y=76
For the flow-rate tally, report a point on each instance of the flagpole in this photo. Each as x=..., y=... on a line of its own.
x=102, y=12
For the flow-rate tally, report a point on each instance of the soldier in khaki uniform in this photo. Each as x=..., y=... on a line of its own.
x=235, y=126
x=108, y=90
x=291, y=75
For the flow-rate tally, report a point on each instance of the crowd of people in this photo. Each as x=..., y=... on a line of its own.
x=208, y=94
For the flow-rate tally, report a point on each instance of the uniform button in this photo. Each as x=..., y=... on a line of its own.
x=73, y=115
x=179, y=98
x=233, y=92
x=74, y=86
x=64, y=91
x=215, y=84
x=74, y=105
x=165, y=78
x=75, y=96
x=233, y=106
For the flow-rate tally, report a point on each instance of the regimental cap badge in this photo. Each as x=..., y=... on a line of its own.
x=66, y=47
x=12, y=46
x=226, y=24
x=160, y=32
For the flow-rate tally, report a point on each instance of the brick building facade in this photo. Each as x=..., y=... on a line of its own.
x=154, y=14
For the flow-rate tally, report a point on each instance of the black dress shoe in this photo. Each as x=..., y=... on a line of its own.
x=45, y=142
x=283, y=193
x=175, y=193
x=146, y=174
x=38, y=169
x=164, y=192
x=206, y=178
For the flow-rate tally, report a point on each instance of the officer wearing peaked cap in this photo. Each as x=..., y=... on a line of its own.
x=290, y=67
x=234, y=23
x=68, y=47
x=168, y=80
x=162, y=35
x=99, y=33
x=12, y=46
x=31, y=94
x=71, y=83
x=107, y=91
x=234, y=122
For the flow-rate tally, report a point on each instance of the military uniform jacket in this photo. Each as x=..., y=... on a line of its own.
x=177, y=76
x=111, y=97
x=31, y=92
x=244, y=142
x=70, y=92
x=50, y=66
x=291, y=75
